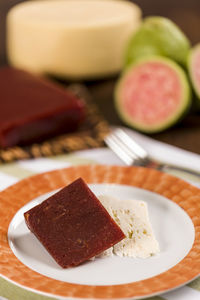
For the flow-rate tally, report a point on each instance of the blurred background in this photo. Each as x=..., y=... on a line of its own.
x=186, y=14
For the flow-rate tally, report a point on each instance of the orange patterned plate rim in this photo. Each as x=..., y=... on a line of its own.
x=173, y=188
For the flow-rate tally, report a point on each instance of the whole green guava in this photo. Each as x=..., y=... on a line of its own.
x=158, y=36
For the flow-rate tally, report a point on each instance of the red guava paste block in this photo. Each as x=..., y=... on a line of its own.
x=73, y=225
x=33, y=108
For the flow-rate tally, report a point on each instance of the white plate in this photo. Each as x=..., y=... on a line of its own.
x=172, y=226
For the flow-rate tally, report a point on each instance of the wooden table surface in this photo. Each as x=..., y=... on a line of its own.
x=186, y=13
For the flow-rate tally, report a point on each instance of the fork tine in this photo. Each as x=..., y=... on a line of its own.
x=118, y=150
x=126, y=148
x=130, y=144
x=121, y=143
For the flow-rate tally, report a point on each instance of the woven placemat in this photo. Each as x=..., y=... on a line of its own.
x=90, y=135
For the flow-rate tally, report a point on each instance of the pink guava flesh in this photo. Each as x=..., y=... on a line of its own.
x=196, y=69
x=151, y=93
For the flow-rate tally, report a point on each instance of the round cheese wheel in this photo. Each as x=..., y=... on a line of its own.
x=71, y=38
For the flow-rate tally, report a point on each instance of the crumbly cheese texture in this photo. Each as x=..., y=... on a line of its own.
x=73, y=38
x=132, y=217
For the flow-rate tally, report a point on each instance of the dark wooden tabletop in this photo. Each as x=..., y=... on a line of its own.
x=186, y=13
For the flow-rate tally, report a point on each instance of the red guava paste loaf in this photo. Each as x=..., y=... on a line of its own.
x=73, y=225
x=33, y=108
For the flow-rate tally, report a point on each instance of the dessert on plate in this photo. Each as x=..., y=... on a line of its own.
x=73, y=225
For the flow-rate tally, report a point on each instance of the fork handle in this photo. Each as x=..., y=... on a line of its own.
x=168, y=167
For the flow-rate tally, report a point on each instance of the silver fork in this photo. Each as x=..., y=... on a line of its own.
x=133, y=154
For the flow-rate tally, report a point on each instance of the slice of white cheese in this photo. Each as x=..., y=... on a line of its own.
x=71, y=38
x=132, y=217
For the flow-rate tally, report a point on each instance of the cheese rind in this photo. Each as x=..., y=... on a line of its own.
x=132, y=217
x=74, y=38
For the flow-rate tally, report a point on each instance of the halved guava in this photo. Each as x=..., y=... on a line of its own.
x=152, y=94
x=158, y=36
x=194, y=68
